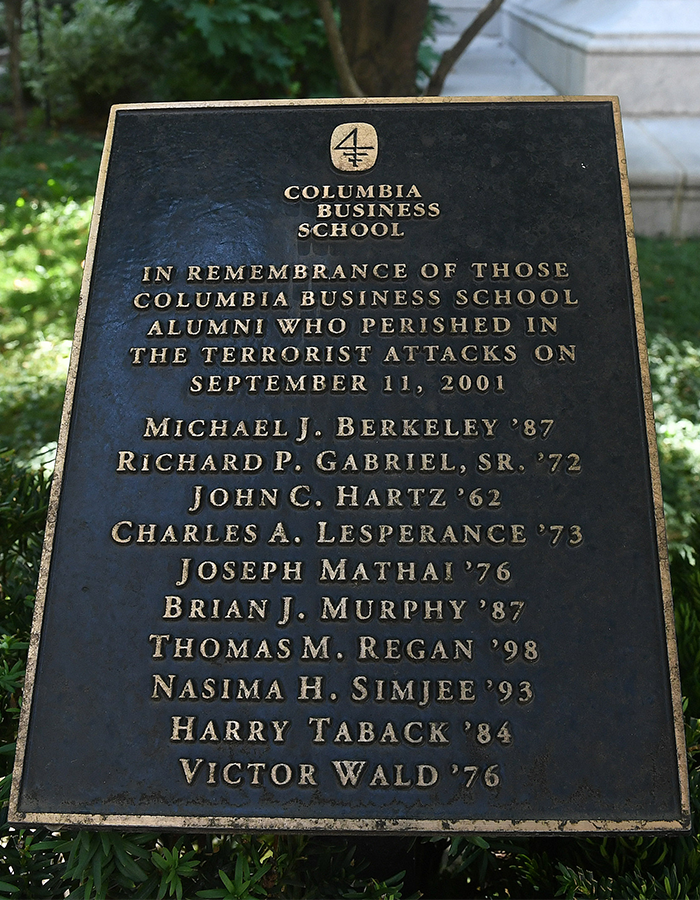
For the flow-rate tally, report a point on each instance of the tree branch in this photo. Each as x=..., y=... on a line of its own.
x=348, y=85
x=450, y=57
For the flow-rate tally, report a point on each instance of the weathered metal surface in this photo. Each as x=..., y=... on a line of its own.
x=357, y=515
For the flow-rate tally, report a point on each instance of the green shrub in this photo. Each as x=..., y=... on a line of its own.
x=675, y=375
x=685, y=576
x=238, y=49
x=23, y=507
x=93, y=56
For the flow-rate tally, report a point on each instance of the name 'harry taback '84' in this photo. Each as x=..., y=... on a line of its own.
x=356, y=520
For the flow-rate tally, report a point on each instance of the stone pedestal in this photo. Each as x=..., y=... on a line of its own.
x=645, y=51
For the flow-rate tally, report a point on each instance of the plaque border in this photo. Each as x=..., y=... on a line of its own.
x=350, y=825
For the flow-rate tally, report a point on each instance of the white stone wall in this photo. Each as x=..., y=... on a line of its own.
x=462, y=12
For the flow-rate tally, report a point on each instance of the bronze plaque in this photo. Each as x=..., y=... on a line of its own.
x=356, y=521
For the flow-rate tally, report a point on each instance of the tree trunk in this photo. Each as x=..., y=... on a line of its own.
x=13, y=26
x=381, y=39
x=450, y=57
x=348, y=86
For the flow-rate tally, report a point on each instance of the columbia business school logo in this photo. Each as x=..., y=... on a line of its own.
x=354, y=147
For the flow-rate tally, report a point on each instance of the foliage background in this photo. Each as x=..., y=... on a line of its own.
x=98, y=52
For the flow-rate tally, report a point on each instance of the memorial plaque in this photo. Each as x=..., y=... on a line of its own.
x=357, y=521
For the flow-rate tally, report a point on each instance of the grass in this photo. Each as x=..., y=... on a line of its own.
x=46, y=190
x=670, y=278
